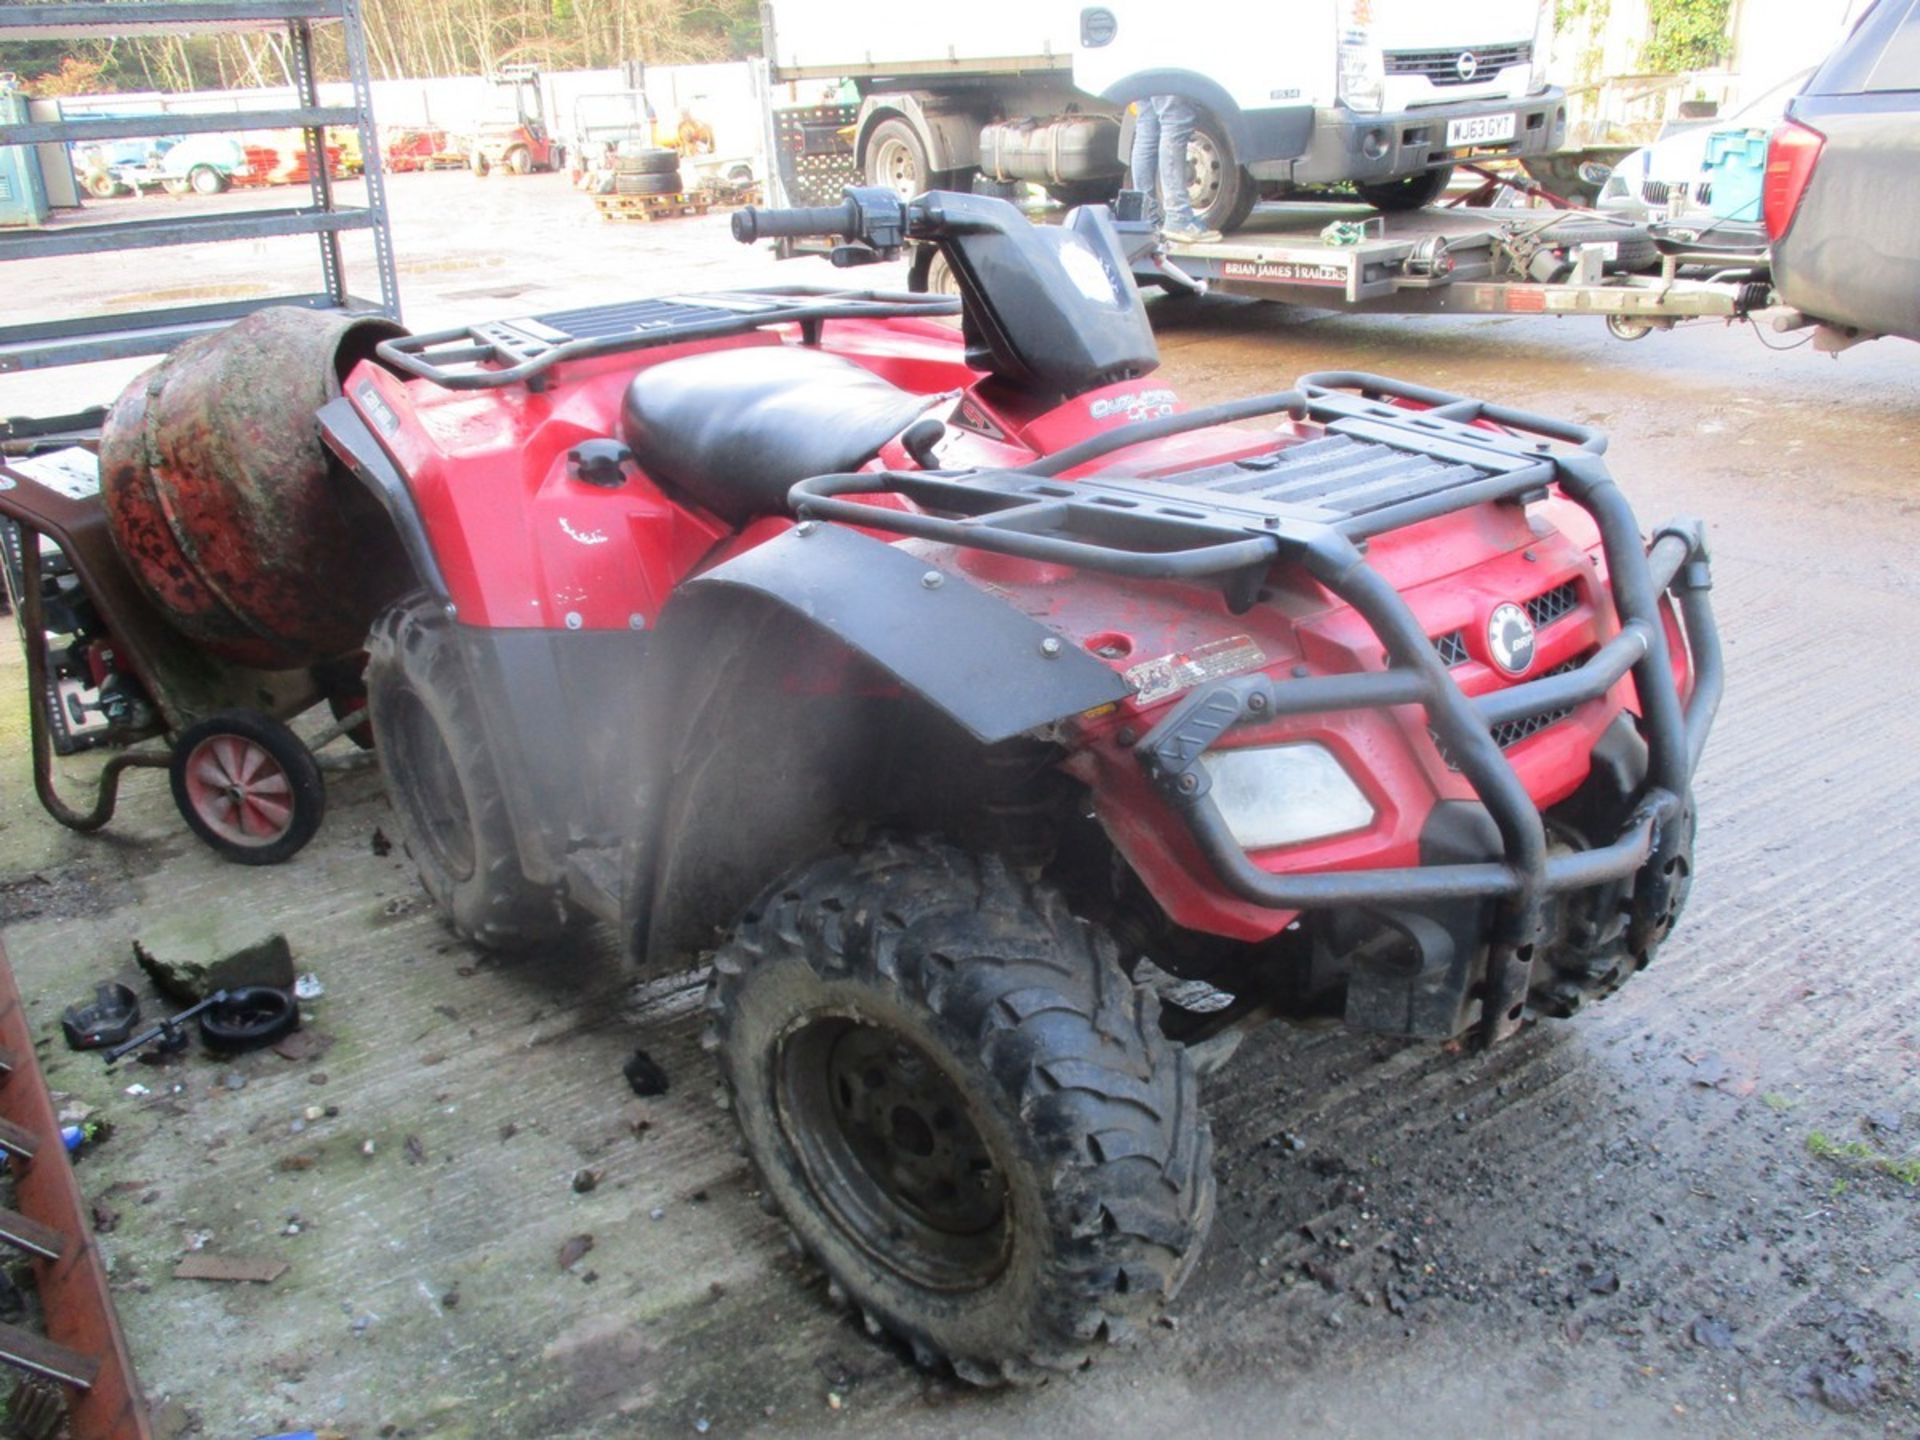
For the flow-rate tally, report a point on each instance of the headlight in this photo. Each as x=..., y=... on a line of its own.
x=1362, y=78
x=1542, y=48
x=1282, y=794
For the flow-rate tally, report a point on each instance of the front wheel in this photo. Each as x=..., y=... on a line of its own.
x=520, y=160
x=1409, y=192
x=446, y=792
x=966, y=1111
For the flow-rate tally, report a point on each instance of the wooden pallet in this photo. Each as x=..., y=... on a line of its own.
x=652, y=207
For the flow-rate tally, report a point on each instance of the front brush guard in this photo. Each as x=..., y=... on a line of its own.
x=1676, y=563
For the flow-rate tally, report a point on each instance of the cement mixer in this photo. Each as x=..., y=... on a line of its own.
x=204, y=580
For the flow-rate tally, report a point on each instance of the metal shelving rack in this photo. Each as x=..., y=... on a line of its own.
x=80, y=339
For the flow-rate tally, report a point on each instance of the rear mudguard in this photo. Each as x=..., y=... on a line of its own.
x=790, y=689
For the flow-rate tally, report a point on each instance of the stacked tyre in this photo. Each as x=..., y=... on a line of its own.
x=646, y=172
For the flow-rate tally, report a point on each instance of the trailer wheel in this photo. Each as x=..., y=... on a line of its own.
x=1222, y=192
x=102, y=186
x=1409, y=192
x=247, y=786
x=446, y=793
x=206, y=180
x=965, y=1110
x=897, y=160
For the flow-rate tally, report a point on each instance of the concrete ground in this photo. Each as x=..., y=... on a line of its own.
x=1675, y=1215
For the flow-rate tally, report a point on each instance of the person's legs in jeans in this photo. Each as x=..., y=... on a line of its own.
x=1174, y=117
x=1145, y=167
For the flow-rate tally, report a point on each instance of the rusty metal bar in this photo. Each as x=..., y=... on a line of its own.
x=80, y=1320
x=38, y=1355
x=31, y=1236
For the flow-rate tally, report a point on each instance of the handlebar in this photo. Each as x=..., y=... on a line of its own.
x=758, y=223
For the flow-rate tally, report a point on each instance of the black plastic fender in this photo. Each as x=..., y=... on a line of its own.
x=775, y=687
x=995, y=671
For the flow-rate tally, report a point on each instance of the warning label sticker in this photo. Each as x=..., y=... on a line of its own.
x=1154, y=680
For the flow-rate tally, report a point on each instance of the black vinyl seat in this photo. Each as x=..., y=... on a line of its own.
x=733, y=430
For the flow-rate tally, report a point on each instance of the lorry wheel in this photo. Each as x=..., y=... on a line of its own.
x=667, y=184
x=1223, y=193
x=897, y=160
x=478, y=164
x=206, y=180
x=248, y=786
x=446, y=794
x=1409, y=192
x=966, y=1111
x=652, y=160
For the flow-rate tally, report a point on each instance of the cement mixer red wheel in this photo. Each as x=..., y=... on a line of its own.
x=248, y=787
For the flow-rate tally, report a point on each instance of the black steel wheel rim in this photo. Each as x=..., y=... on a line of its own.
x=424, y=770
x=888, y=1144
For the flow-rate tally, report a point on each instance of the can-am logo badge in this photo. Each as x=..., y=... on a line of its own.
x=1137, y=405
x=1510, y=639
x=1467, y=66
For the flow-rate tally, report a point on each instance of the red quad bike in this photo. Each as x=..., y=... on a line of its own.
x=942, y=679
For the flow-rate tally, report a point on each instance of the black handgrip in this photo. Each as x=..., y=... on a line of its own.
x=755, y=223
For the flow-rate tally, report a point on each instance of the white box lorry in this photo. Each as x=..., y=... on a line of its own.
x=1384, y=94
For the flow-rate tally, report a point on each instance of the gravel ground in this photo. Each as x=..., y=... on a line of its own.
x=1688, y=1212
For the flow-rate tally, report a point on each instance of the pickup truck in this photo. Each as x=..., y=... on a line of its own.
x=1385, y=95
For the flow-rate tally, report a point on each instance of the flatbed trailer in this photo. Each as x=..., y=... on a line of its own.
x=1440, y=260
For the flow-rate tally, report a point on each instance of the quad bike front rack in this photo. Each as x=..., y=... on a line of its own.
x=219, y=729
x=1391, y=455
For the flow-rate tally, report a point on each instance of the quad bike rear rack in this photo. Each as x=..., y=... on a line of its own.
x=1380, y=466
x=498, y=353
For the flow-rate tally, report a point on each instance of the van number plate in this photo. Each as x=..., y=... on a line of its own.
x=1480, y=130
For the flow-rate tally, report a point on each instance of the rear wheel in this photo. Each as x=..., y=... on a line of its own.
x=965, y=1110
x=247, y=786
x=445, y=790
x=1409, y=192
x=478, y=163
x=1222, y=192
x=206, y=180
